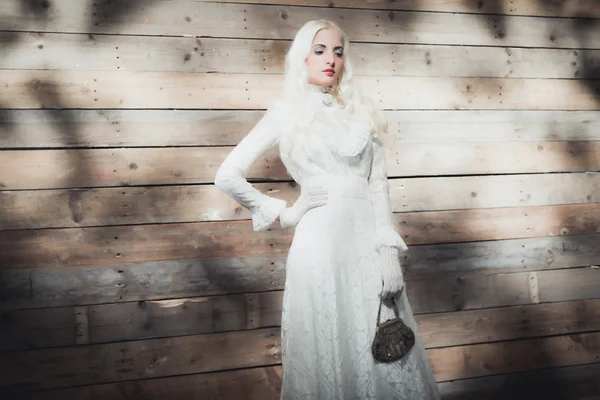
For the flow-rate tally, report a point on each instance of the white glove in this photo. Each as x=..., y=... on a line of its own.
x=311, y=197
x=389, y=262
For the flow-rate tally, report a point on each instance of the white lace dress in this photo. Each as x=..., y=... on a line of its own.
x=332, y=278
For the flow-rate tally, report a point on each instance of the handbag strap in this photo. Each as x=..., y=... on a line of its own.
x=394, y=306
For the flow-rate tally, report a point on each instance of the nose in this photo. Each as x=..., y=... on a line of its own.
x=331, y=60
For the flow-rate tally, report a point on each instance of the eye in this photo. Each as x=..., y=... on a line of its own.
x=318, y=52
x=339, y=54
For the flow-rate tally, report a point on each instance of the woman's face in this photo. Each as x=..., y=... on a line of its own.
x=325, y=62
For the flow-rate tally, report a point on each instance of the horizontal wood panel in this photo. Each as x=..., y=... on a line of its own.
x=581, y=8
x=523, y=355
x=131, y=128
x=121, y=89
x=60, y=287
x=31, y=329
x=110, y=245
x=470, y=192
x=561, y=286
x=186, y=17
x=509, y=323
x=49, y=169
x=126, y=282
x=123, y=205
x=141, y=359
x=498, y=223
x=568, y=383
x=206, y=55
x=123, y=167
x=105, y=207
x=262, y=383
x=194, y=354
x=534, y=254
x=117, y=322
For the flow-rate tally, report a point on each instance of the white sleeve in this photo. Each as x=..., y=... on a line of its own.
x=386, y=234
x=231, y=179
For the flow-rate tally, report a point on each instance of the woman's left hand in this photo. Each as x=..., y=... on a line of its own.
x=391, y=271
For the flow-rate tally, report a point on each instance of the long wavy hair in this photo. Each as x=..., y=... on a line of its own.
x=296, y=87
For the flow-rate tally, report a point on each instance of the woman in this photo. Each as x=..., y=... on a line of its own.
x=345, y=252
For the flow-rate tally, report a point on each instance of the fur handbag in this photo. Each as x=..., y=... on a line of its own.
x=393, y=338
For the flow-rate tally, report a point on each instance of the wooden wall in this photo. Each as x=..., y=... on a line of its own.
x=125, y=274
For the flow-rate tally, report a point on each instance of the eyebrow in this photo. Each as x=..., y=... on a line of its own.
x=335, y=48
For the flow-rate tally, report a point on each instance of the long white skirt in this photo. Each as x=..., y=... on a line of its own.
x=330, y=308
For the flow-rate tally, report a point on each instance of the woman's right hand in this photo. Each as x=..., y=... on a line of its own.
x=311, y=197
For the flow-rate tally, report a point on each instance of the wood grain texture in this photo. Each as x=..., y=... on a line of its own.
x=112, y=245
x=533, y=254
x=106, y=89
x=173, y=204
x=515, y=356
x=147, y=319
x=263, y=383
x=186, y=17
x=60, y=287
x=568, y=383
x=50, y=169
x=126, y=282
x=189, y=54
x=194, y=354
x=22, y=129
x=561, y=285
x=509, y=323
x=112, y=362
x=582, y=8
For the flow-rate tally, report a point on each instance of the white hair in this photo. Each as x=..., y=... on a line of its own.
x=296, y=86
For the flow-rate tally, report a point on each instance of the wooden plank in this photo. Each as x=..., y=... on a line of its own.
x=206, y=55
x=469, y=192
x=121, y=128
x=128, y=206
x=568, y=383
x=60, y=287
x=145, y=319
x=123, y=167
x=43, y=369
x=508, y=323
x=31, y=329
x=187, y=17
x=50, y=169
x=578, y=8
x=262, y=383
x=535, y=254
x=498, y=223
x=194, y=354
x=123, y=89
x=471, y=361
x=468, y=292
x=125, y=206
x=127, y=282
x=191, y=316
x=110, y=245
x=562, y=285
x=199, y=315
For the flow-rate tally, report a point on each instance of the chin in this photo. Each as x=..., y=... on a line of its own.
x=328, y=82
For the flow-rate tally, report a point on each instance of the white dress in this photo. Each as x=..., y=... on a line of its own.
x=333, y=281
